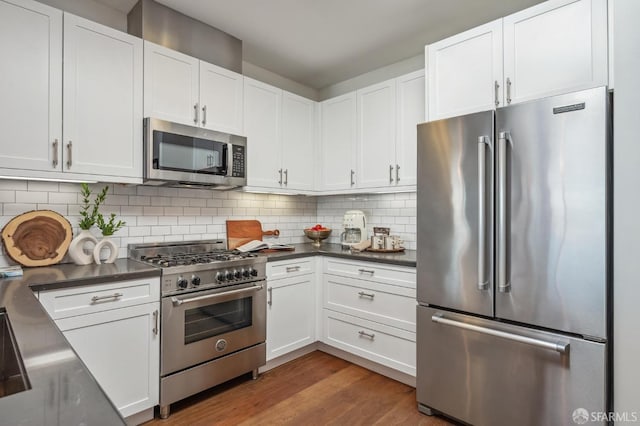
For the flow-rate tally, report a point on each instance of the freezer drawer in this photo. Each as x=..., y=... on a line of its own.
x=484, y=379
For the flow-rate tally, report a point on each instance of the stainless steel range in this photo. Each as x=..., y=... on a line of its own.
x=213, y=315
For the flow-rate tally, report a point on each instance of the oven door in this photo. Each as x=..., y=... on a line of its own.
x=201, y=326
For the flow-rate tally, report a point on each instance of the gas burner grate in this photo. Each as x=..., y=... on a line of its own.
x=182, y=259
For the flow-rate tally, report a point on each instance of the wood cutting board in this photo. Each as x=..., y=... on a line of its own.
x=240, y=232
x=37, y=238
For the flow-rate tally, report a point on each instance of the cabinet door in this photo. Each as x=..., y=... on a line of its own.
x=464, y=70
x=297, y=141
x=338, y=138
x=555, y=47
x=376, y=135
x=121, y=349
x=31, y=85
x=170, y=85
x=102, y=99
x=410, y=112
x=262, y=104
x=220, y=99
x=290, y=315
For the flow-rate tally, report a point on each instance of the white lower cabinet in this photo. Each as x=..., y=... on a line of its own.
x=291, y=301
x=369, y=309
x=115, y=330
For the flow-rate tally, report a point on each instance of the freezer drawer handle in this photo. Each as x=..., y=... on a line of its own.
x=560, y=347
x=483, y=143
x=504, y=286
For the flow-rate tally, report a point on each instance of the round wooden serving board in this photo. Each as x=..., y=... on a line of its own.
x=37, y=238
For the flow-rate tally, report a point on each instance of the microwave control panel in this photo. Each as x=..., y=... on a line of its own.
x=237, y=168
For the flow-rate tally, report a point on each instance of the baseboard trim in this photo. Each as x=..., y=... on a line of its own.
x=355, y=359
x=139, y=418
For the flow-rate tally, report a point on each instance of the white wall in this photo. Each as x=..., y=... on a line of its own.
x=266, y=76
x=376, y=76
x=626, y=160
x=92, y=10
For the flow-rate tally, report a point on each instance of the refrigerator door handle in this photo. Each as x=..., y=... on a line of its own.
x=483, y=143
x=504, y=286
x=560, y=347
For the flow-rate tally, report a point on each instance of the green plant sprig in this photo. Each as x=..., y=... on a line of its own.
x=110, y=227
x=89, y=219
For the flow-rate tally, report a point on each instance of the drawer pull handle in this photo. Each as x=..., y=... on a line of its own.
x=367, y=335
x=363, y=294
x=114, y=296
x=293, y=268
x=366, y=271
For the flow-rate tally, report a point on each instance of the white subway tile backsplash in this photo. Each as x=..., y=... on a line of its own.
x=32, y=197
x=13, y=185
x=167, y=220
x=179, y=214
x=7, y=196
x=139, y=200
x=43, y=186
x=63, y=198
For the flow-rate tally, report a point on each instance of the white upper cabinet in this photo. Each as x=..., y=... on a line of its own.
x=280, y=133
x=555, y=47
x=410, y=110
x=262, y=111
x=183, y=89
x=376, y=125
x=102, y=99
x=465, y=72
x=170, y=85
x=338, y=140
x=298, y=116
x=31, y=86
x=221, y=99
x=376, y=106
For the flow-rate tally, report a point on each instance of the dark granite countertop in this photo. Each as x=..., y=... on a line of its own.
x=62, y=390
x=405, y=258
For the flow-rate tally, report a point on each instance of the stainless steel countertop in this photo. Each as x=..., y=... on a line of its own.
x=405, y=258
x=63, y=391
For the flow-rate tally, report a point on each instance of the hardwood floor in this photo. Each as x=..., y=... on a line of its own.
x=316, y=389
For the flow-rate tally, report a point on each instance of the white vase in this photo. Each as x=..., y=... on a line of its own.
x=78, y=250
x=107, y=243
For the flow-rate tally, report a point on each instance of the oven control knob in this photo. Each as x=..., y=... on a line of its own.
x=237, y=273
x=220, y=277
x=254, y=272
x=182, y=282
x=246, y=272
x=195, y=280
x=228, y=275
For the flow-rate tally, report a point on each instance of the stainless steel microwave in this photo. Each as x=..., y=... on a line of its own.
x=180, y=155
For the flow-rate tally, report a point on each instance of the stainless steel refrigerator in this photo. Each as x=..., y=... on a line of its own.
x=514, y=261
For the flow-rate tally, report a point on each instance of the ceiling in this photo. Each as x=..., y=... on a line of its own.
x=322, y=42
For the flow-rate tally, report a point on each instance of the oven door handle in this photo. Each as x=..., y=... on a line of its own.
x=178, y=302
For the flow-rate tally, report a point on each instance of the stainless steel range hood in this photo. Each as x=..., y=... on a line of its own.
x=159, y=24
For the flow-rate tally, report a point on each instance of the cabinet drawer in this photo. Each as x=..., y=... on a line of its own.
x=391, y=305
x=88, y=299
x=387, y=274
x=379, y=343
x=289, y=268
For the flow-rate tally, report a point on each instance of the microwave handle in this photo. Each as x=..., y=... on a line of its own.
x=229, y=159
